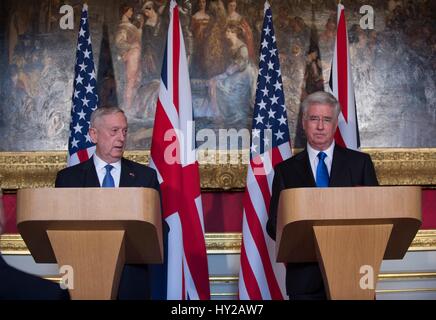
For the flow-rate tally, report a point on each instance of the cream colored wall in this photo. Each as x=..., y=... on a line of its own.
x=413, y=278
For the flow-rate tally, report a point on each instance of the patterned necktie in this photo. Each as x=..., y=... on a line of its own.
x=322, y=174
x=108, y=181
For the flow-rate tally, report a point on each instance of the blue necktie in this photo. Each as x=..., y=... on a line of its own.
x=108, y=180
x=322, y=174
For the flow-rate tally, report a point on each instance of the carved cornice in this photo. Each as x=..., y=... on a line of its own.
x=425, y=240
x=13, y=244
x=219, y=170
x=218, y=243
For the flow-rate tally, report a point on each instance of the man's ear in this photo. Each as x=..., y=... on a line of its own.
x=93, y=134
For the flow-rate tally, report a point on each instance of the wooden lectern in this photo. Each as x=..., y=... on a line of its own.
x=93, y=230
x=348, y=231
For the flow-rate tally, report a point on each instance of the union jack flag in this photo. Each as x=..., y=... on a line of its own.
x=341, y=86
x=260, y=276
x=85, y=98
x=173, y=156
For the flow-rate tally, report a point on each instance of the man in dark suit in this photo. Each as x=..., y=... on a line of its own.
x=19, y=285
x=321, y=164
x=108, y=168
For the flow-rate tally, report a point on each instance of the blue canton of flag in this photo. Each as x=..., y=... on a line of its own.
x=269, y=109
x=85, y=98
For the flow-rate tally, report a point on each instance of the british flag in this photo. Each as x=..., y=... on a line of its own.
x=173, y=156
x=260, y=276
x=341, y=86
x=85, y=98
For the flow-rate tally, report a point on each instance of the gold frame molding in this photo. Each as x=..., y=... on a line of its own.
x=216, y=243
x=219, y=170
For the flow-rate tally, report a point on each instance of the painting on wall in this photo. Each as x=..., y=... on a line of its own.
x=393, y=65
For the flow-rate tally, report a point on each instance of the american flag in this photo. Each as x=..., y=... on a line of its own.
x=173, y=156
x=260, y=277
x=85, y=98
x=341, y=86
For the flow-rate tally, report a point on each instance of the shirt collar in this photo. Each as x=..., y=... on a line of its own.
x=100, y=164
x=314, y=153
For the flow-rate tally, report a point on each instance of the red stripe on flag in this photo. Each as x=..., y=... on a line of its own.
x=258, y=237
x=192, y=230
x=250, y=281
x=82, y=154
x=276, y=157
x=158, y=151
x=261, y=179
x=338, y=138
x=342, y=65
x=176, y=57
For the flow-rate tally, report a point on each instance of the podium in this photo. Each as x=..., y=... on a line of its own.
x=348, y=231
x=93, y=232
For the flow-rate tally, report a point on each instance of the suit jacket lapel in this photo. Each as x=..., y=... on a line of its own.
x=305, y=170
x=91, y=178
x=128, y=176
x=338, y=168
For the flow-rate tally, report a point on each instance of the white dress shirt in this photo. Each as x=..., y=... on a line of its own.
x=313, y=158
x=101, y=170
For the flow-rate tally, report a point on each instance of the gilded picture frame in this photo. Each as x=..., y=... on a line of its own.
x=220, y=172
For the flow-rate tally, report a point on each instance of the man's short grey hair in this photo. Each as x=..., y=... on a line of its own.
x=321, y=97
x=104, y=111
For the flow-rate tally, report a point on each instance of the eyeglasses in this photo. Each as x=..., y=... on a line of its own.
x=313, y=119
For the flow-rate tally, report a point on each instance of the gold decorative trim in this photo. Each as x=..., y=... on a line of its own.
x=223, y=243
x=405, y=290
x=217, y=243
x=54, y=278
x=235, y=279
x=230, y=243
x=223, y=294
x=234, y=294
x=425, y=240
x=407, y=276
x=219, y=170
x=13, y=244
x=223, y=279
x=381, y=277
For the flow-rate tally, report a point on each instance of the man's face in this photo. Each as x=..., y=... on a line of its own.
x=109, y=135
x=319, y=124
x=231, y=7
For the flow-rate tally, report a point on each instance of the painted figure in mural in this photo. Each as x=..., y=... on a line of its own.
x=199, y=25
x=231, y=93
x=215, y=54
x=152, y=44
x=128, y=42
x=234, y=17
x=185, y=13
x=313, y=78
x=326, y=45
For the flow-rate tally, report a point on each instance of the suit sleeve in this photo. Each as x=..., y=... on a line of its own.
x=60, y=181
x=155, y=181
x=369, y=175
x=277, y=187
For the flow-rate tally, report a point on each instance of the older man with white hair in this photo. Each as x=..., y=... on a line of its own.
x=321, y=164
x=18, y=285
